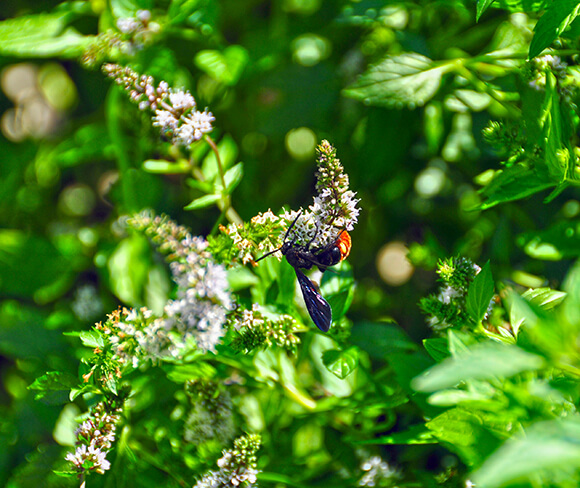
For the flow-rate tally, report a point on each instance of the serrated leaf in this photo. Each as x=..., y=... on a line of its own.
x=41, y=35
x=408, y=80
x=480, y=293
x=546, y=447
x=54, y=380
x=203, y=202
x=513, y=183
x=556, y=18
x=522, y=5
x=463, y=432
x=482, y=362
x=53, y=387
x=482, y=6
x=92, y=339
x=341, y=363
x=437, y=348
x=545, y=298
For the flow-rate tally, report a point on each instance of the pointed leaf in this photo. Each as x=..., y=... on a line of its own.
x=341, y=363
x=484, y=361
x=405, y=80
x=480, y=293
x=556, y=18
x=482, y=6
x=203, y=202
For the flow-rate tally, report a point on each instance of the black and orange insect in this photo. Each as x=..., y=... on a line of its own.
x=303, y=257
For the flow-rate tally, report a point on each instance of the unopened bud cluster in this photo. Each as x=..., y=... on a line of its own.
x=448, y=307
x=237, y=466
x=174, y=110
x=254, y=330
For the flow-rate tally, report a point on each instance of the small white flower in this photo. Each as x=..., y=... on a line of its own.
x=181, y=100
x=164, y=119
x=127, y=25
x=144, y=15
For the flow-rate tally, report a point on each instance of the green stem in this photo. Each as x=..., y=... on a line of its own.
x=114, y=104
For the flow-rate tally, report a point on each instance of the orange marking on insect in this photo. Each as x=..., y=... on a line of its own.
x=344, y=243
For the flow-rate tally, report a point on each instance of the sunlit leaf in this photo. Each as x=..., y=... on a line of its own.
x=41, y=35
x=480, y=293
x=226, y=66
x=545, y=447
x=484, y=361
x=408, y=80
x=341, y=363
x=545, y=297
x=552, y=23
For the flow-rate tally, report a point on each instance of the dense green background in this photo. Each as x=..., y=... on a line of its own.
x=53, y=240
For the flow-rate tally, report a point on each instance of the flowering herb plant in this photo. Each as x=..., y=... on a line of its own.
x=160, y=325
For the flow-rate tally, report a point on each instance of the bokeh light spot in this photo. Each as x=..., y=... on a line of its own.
x=310, y=49
x=392, y=264
x=300, y=143
x=77, y=200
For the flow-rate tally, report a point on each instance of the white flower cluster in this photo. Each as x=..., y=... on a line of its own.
x=95, y=438
x=377, y=473
x=197, y=316
x=211, y=415
x=174, y=110
x=87, y=304
x=203, y=297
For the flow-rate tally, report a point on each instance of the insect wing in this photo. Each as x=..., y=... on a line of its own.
x=318, y=308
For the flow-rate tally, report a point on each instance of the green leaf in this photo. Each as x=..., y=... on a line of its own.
x=404, y=80
x=437, y=348
x=226, y=66
x=513, y=183
x=233, y=177
x=545, y=448
x=203, y=202
x=337, y=286
x=92, y=339
x=463, y=432
x=228, y=151
x=381, y=339
x=42, y=35
x=560, y=241
x=545, y=298
x=341, y=363
x=522, y=5
x=54, y=387
x=482, y=6
x=482, y=362
x=416, y=434
x=161, y=166
x=558, y=15
x=480, y=293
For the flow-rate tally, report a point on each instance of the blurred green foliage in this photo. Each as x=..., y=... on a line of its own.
x=456, y=141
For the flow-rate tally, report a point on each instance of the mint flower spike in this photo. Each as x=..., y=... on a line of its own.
x=95, y=437
x=238, y=466
x=334, y=208
x=174, y=111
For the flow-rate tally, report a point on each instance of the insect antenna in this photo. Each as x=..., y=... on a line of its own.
x=285, y=239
